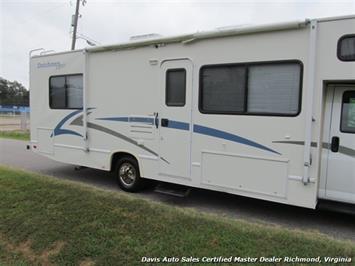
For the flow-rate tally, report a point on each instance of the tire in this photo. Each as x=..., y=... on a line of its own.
x=128, y=175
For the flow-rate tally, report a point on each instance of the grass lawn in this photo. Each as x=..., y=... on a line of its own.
x=45, y=221
x=15, y=134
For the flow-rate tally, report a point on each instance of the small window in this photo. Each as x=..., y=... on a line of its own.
x=175, y=94
x=66, y=92
x=346, y=48
x=348, y=112
x=223, y=89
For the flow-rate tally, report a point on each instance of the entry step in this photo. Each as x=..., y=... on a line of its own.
x=173, y=189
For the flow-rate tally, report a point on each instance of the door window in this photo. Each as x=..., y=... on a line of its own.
x=175, y=87
x=348, y=113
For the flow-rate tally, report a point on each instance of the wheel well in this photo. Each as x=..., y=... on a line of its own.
x=118, y=155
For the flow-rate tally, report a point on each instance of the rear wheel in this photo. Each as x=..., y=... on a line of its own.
x=127, y=174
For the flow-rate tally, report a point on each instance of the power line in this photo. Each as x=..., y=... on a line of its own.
x=88, y=38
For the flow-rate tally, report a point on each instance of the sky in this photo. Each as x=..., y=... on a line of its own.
x=29, y=24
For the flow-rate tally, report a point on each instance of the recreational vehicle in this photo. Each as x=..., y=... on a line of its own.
x=264, y=111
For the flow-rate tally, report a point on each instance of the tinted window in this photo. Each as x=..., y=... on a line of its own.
x=175, y=87
x=223, y=88
x=75, y=91
x=57, y=92
x=346, y=48
x=66, y=92
x=265, y=88
x=348, y=112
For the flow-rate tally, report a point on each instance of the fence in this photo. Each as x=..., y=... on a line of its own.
x=14, y=118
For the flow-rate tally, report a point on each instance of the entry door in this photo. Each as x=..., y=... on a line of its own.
x=340, y=183
x=175, y=118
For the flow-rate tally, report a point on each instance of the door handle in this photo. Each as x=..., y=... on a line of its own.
x=334, y=146
x=164, y=122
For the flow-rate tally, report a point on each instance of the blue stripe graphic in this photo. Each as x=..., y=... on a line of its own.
x=134, y=119
x=119, y=119
x=178, y=125
x=208, y=131
x=228, y=136
x=59, y=131
x=142, y=120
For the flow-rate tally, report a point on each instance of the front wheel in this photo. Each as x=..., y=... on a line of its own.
x=128, y=176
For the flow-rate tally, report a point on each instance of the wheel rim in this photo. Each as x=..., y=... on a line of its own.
x=127, y=174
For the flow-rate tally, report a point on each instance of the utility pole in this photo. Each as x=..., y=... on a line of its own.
x=75, y=24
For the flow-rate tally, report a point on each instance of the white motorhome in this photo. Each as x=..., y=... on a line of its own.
x=266, y=111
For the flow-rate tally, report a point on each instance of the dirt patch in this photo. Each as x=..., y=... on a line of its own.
x=87, y=262
x=55, y=249
x=26, y=251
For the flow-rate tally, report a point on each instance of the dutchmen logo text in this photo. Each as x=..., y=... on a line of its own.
x=56, y=65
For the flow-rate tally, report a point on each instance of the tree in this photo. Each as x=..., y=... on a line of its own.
x=13, y=93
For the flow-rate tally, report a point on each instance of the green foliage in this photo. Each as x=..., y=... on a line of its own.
x=112, y=228
x=13, y=93
x=19, y=135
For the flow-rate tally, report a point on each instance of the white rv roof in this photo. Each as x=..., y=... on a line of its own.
x=189, y=38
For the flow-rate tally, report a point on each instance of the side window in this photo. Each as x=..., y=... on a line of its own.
x=251, y=88
x=175, y=93
x=75, y=91
x=346, y=48
x=57, y=94
x=223, y=89
x=66, y=92
x=274, y=89
x=348, y=113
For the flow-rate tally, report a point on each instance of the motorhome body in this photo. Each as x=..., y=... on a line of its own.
x=265, y=112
